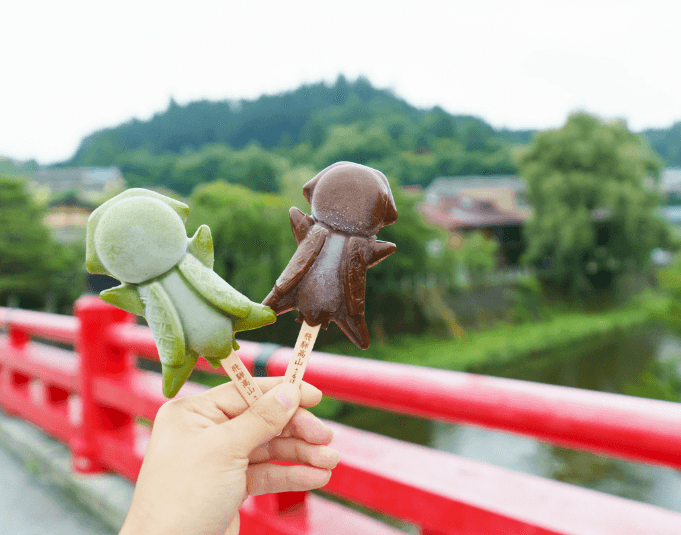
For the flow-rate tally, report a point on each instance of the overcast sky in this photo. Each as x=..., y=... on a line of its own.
x=70, y=67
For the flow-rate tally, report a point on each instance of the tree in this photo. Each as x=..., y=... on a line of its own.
x=354, y=143
x=593, y=218
x=252, y=242
x=315, y=132
x=479, y=256
x=261, y=176
x=669, y=280
x=394, y=303
x=439, y=123
x=31, y=264
x=251, y=234
x=23, y=241
x=67, y=275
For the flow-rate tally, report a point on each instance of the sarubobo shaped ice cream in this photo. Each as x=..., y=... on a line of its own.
x=325, y=278
x=139, y=238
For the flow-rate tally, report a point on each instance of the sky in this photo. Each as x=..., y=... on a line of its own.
x=69, y=68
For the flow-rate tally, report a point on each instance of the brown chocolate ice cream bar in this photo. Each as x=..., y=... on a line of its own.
x=325, y=279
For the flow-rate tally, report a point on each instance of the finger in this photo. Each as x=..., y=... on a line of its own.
x=262, y=421
x=293, y=450
x=227, y=398
x=267, y=477
x=311, y=430
x=207, y=411
x=233, y=528
x=308, y=427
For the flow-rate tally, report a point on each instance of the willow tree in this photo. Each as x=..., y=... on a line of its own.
x=591, y=185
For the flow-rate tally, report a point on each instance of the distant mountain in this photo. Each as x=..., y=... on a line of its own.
x=9, y=166
x=272, y=121
x=314, y=125
x=667, y=143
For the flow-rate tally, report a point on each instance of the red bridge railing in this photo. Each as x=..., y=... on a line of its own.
x=93, y=399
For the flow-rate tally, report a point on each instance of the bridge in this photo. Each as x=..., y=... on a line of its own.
x=95, y=399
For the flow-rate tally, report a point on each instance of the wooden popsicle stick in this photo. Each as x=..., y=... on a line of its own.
x=301, y=354
x=243, y=380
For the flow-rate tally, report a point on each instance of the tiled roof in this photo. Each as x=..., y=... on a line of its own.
x=477, y=214
x=81, y=175
x=450, y=186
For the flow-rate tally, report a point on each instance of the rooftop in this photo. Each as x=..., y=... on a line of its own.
x=451, y=186
x=83, y=175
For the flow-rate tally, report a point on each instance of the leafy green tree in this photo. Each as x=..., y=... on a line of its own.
x=393, y=303
x=397, y=128
x=143, y=169
x=23, y=241
x=253, y=244
x=594, y=218
x=355, y=143
x=476, y=135
x=439, y=123
x=315, y=132
x=478, y=256
x=66, y=264
x=205, y=165
x=251, y=233
x=31, y=264
x=260, y=175
x=669, y=280
x=410, y=168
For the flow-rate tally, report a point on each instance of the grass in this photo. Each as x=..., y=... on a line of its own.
x=507, y=343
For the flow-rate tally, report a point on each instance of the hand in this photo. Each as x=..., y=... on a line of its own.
x=208, y=452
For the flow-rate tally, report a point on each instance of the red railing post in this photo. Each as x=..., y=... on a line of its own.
x=98, y=358
x=17, y=338
x=282, y=502
x=11, y=380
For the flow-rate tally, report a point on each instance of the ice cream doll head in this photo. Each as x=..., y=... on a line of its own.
x=136, y=236
x=351, y=198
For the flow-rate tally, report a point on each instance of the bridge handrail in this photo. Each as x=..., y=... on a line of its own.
x=630, y=428
x=439, y=492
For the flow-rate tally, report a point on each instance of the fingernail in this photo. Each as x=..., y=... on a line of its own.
x=287, y=395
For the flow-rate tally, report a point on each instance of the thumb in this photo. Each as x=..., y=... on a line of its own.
x=263, y=420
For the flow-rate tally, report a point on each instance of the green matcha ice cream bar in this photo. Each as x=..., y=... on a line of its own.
x=139, y=238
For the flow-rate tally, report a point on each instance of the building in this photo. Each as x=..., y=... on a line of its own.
x=670, y=179
x=494, y=205
x=508, y=189
x=90, y=183
x=670, y=187
x=67, y=217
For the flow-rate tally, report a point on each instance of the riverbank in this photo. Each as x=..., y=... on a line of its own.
x=562, y=334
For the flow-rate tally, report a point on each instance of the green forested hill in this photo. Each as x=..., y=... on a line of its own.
x=256, y=143
x=667, y=143
x=272, y=121
x=263, y=143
